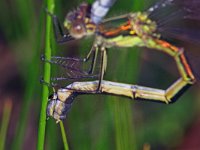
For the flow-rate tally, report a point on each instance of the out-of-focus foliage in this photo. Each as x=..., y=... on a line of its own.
x=95, y=121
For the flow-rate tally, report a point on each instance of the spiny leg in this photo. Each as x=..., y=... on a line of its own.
x=93, y=52
x=58, y=31
x=103, y=66
x=72, y=78
x=54, y=59
x=70, y=64
x=64, y=61
x=94, y=59
x=71, y=72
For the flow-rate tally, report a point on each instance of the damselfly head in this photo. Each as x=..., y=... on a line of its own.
x=78, y=22
x=51, y=104
x=56, y=108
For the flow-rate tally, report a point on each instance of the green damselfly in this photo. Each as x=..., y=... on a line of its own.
x=129, y=30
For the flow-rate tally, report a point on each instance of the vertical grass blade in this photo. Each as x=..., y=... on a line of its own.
x=47, y=72
x=64, y=137
x=5, y=122
x=31, y=76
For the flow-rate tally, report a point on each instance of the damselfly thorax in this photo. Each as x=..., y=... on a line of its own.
x=133, y=29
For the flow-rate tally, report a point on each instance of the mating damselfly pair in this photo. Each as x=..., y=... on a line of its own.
x=128, y=30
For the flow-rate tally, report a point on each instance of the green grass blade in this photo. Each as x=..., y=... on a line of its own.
x=47, y=72
x=31, y=73
x=64, y=137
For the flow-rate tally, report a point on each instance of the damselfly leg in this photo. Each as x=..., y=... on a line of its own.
x=71, y=66
x=51, y=84
x=102, y=67
x=60, y=36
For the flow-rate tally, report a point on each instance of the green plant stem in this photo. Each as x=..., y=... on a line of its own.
x=47, y=72
x=5, y=122
x=64, y=137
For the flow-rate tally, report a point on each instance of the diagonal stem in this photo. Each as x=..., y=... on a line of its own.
x=64, y=137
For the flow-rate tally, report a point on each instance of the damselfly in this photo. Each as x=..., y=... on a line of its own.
x=132, y=29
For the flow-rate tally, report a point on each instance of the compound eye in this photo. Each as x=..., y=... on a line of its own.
x=78, y=31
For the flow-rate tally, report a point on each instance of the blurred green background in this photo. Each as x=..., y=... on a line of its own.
x=96, y=122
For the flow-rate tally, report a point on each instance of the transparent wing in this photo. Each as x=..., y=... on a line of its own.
x=190, y=8
x=178, y=21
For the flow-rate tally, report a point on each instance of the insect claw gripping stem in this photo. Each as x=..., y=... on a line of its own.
x=42, y=57
x=46, y=83
x=48, y=12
